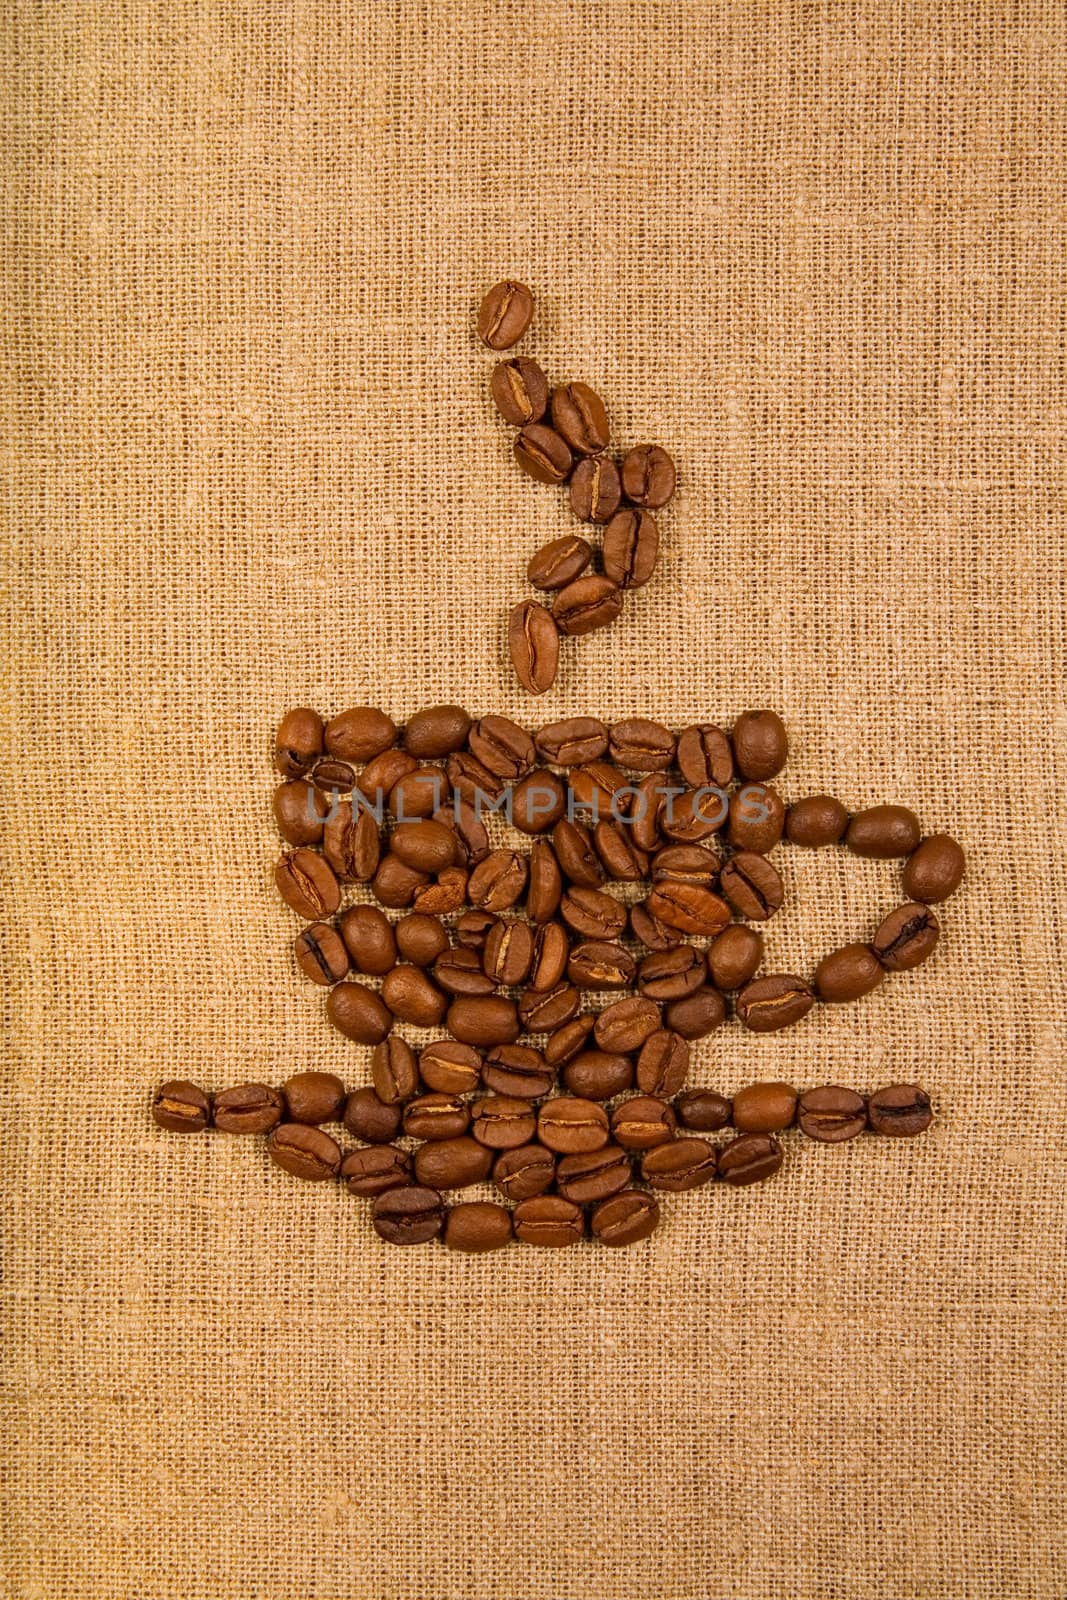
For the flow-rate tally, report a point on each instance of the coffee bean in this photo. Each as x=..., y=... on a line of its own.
x=641, y=745
x=300, y=812
x=934, y=870
x=648, y=476
x=679, y=1165
x=420, y=938
x=502, y=746
x=371, y=1171
x=689, y=908
x=734, y=956
x=418, y=794
x=649, y=799
x=307, y=885
x=586, y=604
x=517, y=1072
x=548, y=957
x=592, y=913
x=527, y=1170
x=313, y=1097
x=693, y=814
x=548, y=1220
x=358, y=1012
x=436, y=1116
x=473, y=929
x=181, y=1107
x=452, y=1163
x=476, y=1226
x=705, y=756
x=697, y=1014
x=304, y=1152
x=579, y=861
x=567, y=1124
x=817, y=821
x=543, y=454
x=393, y=1071
x=901, y=1110
x=630, y=548
x=360, y=734
x=538, y=801
x=508, y=952
x=426, y=846
x=757, y=817
x=409, y=1215
x=471, y=839
x=411, y=996
x=504, y=314
x=703, y=1109
x=472, y=780
x=578, y=414
x=663, y=1063
x=436, y=731
x=567, y=1042
x=497, y=882
x=569, y=743
x=906, y=938
x=832, y=1114
x=450, y=1067
x=882, y=832
x=594, y=786
x=686, y=863
x=764, y=1107
x=370, y=1119
x=624, y=1026
x=671, y=974
x=369, y=939
x=643, y=1122
x=649, y=930
x=848, y=973
x=595, y=489
x=298, y=742
x=547, y=1011
x=321, y=954
x=380, y=777
x=598, y=1075
x=545, y=886
x=248, y=1108
x=444, y=896
x=533, y=640
x=752, y=886
x=483, y=1021
x=502, y=1122
x=626, y=1218
x=761, y=745
x=591, y=1175
x=352, y=844
x=520, y=390
x=750, y=1159
x=330, y=776
x=601, y=964
x=622, y=860
x=459, y=971
x=396, y=885
x=772, y=1002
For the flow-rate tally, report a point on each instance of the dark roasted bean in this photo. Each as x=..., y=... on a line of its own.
x=642, y=746
x=734, y=955
x=578, y=414
x=568, y=744
x=689, y=908
x=508, y=952
x=548, y=958
x=697, y=1014
x=543, y=454
x=452, y=1163
x=181, y=1107
x=703, y=1109
x=679, y=1165
x=907, y=937
x=370, y=1119
x=483, y=1020
x=579, y=861
x=775, y=1001
x=393, y=1071
x=369, y=939
x=832, y=1114
x=624, y=1026
x=757, y=817
x=848, y=973
x=360, y=734
x=595, y=489
x=298, y=742
x=548, y=1220
x=663, y=1063
x=672, y=974
x=300, y=812
x=321, y=954
x=883, y=832
x=752, y=886
x=409, y=1215
x=642, y=1122
x=630, y=548
x=248, y=1108
x=592, y=913
x=517, y=1071
x=817, y=821
x=527, y=1170
x=371, y=1171
x=313, y=1097
x=568, y=1041
x=502, y=1122
x=544, y=1012
x=601, y=964
x=587, y=1176
x=307, y=885
x=750, y=1158
x=761, y=745
x=598, y=1075
x=935, y=870
x=545, y=887
x=304, y=1152
x=450, y=1067
x=538, y=801
x=436, y=1116
x=504, y=314
x=358, y=1012
x=625, y=1218
x=586, y=604
x=705, y=756
x=352, y=844
x=648, y=476
x=901, y=1109
x=421, y=938
x=520, y=390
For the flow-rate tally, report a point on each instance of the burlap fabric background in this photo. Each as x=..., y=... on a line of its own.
x=818, y=253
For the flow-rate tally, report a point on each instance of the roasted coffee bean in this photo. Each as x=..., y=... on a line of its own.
x=630, y=548
x=503, y=1122
x=411, y=996
x=705, y=756
x=848, y=973
x=300, y=812
x=548, y=1220
x=331, y=776
x=586, y=604
x=601, y=964
x=686, y=863
x=752, y=886
x=593, y=788
x=435, y=731
x=533, y=640
x=527, y=1170
x=298, y=742
x=663, y=1063
x=508, y=952
x=579, y=861
x=591, y=1175
x=426, y=846
x=679, y=1165
x=648, y=476
x=750, y=1159
x=761, y=745
x=544, y=1012
x=548, y=957
x=901, y=1109
x=598, y=1075
x=703, y=1109
x=436, y=1116
x=450, y=1067
x=483, y=1020
x=476, y=1226
x=314, y=1097
x=648, y=930
x=671, y=974
x=410, y=1215
x=517, y=1071
x=452, y=1163
x=648, y=801
x=642, y=1122
x=734, y=956
x=689, y=907
x=595, y=489
x=934, y=870
x=624, y=1026
x=370, y=1119
x=393, y=1071
x=248, y=1108
x=538, y=801
x=567, y=1124
x=369, y=939
x=757, y=817
x=352, y=844
x=504, y=314
x=543, y=454
x=307, y=885
x=642, y=746
x=764, y=1107
x=579, y=416
x=568, y=744
x=520, y=390
x=545, y=887
x=697, y=1014
x=321, y=954
x=568, y=1041
x=691, y=815
x=459, y=971
x=371, y=1171
x=304, y=1152
x=473, y=929
x=380, y=777
x=358, y=1012
x=421, y=939
x=622, y=861
x=832, y=1114
x=819, y=820
x=360, y=734
x=418, y=794
x=182, y=1107
x=497, y=882
x=446, y=895
x=906, y=938
x=472, y=780
x=502, y=746
x=396, y=885
x=472, y=841
x=772, y=1002
x=882, y=832
x=592, y=913
x=626, y=1218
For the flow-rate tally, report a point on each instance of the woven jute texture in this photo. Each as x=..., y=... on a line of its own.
x=817, y=252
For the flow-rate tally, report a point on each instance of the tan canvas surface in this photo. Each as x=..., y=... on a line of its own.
x=817, y=252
